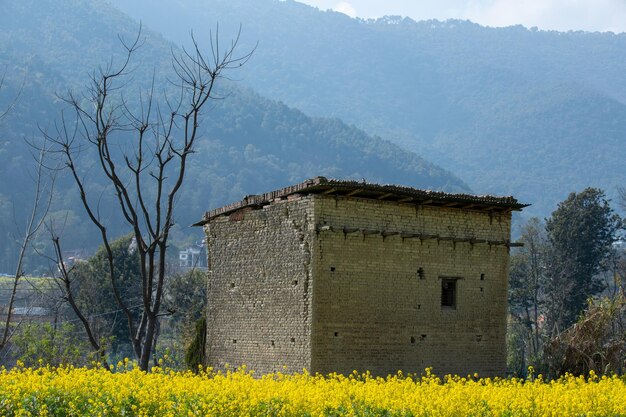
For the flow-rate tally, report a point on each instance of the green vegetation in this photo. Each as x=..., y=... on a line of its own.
x=26, y=284
x=94, y=294
x=54, y=344
x=566, y=293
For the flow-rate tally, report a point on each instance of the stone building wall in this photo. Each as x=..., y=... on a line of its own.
x=259, y=291
x=378, y=288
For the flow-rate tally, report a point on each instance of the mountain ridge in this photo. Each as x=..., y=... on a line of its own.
x=446, y=90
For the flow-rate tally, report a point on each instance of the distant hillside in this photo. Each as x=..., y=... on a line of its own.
x=249, y=144
x=512, y=111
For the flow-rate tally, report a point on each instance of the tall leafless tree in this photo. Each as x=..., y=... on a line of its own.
x=4, y=112
x=526, y=287
x=42, y=197
x=142, y=152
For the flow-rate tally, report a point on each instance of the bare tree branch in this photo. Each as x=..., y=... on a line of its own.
x=65, y=283
x=11, y=105
x=42, y=199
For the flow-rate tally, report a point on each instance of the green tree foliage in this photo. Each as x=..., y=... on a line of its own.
x=52, y=344
x=581, y=232
x=195, y=353
x=186, y=300
x=94, y=294
x=566, y=295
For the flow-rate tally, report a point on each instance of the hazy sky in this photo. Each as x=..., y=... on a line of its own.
x=590, y=15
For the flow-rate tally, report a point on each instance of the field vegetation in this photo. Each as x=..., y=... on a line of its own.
x=127, y=391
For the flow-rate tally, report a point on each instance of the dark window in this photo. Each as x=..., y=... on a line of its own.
x=448, y=293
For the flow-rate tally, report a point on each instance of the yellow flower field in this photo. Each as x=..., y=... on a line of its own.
x=128, y=392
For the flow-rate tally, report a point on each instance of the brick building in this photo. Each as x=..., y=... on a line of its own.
x=336, y=276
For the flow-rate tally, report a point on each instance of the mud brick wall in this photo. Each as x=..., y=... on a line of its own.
x=336, y=284
x=377, y=297
x=259, y=290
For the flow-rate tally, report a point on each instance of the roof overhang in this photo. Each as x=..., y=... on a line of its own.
x=357, y=189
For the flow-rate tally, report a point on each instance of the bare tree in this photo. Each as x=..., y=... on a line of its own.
x=42, y=198
x=40, y=205
x=622, y=197
x=4, y=112
x=526, y=298
x=64, y=281
x=142, y=152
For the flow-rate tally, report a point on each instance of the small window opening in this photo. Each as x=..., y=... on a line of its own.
x=232, y=285
x=479, y=337
x=332, y=269
x=482, y=277
x=293, y=340
x=272, y=342
x=412, y=339
x=419, y=306
x=448, y=293
x=420, y=273
x=234, y=341
x=336, y=334
x=481, y=289
x=295, y=282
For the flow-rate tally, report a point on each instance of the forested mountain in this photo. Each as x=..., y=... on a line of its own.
x=249, y=144
x=511, y=110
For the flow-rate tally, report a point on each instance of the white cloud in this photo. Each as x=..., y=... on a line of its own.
x=590, y=15
x=345, y=8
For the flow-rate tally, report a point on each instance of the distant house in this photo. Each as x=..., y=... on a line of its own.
x=336, y=276
x=74, y=256
x=27, y=314
x=191, y=258
x=619, y=245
